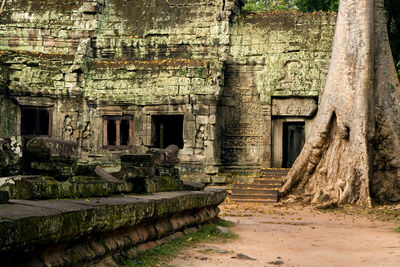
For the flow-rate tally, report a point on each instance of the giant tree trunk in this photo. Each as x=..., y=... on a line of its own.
x=353, y=152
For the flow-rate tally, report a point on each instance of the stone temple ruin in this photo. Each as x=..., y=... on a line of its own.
x=233, y=91
x=102, y=97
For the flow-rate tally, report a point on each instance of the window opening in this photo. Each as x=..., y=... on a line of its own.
x=35, y=120
x=118, y=131
x=124, y=132
x=111, y=133
x=168, y=130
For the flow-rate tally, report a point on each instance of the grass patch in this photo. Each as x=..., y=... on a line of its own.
x=397, y=230
x=158, y=255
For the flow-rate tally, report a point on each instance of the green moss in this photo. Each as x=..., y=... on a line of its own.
x=163, y=184
x=165, y=252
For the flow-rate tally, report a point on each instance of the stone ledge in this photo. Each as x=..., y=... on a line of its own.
x=127, y=242
x=30, y=226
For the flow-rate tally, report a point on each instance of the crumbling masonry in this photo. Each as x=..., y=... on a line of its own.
x=120, y=76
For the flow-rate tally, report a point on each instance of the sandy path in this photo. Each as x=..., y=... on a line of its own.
x=299, y=236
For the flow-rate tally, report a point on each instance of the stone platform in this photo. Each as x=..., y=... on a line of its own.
x=71, y=232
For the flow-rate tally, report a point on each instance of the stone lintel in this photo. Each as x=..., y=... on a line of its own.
x=294, y=106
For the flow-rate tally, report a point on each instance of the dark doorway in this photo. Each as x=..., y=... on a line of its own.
x=35, y=120
x=168, y=130
x=293, y=141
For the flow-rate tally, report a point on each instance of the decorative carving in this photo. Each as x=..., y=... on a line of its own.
x=87, y=138
x=291, y=73
x=200, y=136
x=244, y=121
x=165, y=157
x=304, y=107
x=68, y=129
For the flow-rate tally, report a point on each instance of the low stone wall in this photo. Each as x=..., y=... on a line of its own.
x=71, y=232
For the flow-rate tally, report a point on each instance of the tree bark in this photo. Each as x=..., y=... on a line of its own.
x=2, y=6
x=353, y=152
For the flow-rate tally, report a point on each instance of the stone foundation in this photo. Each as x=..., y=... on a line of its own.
x=70, y=232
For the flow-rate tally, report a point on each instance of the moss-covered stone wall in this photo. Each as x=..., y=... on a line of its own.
x=201, y=59
x=272, y=55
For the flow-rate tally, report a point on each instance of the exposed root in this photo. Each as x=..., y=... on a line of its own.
x=2, y=6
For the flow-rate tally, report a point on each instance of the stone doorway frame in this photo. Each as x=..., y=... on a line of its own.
x=277, y=137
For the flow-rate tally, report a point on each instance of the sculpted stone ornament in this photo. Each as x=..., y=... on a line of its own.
x=167, y=157
x=68, y=129
x=306, y=107
x=87, y=138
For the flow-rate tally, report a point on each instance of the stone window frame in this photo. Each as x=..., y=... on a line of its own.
x=118, y=119
x=163, y=110
x=38, y=107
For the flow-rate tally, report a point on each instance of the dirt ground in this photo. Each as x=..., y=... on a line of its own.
x=300, y=236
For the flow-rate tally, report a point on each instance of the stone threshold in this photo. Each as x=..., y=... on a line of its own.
x=73, y=232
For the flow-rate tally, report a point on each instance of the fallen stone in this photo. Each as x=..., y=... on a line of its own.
x=276, y=262
x=222, y=251
x=222, y=230
x=167, y=157
x=241, y=256
x=106, y=176
x=193, y=186
x=46, y=149
x=4, y=197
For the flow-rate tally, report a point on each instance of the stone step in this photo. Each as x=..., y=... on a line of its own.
x=265, y=196
x=253, y=192
x=273, y=175
x=268, y=182
x=265, y=201
x=257, y=186
x=275, y=170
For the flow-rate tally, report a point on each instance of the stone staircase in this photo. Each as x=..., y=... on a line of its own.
x=262, y=190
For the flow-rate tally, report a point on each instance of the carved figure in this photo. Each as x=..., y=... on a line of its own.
x=200, y=136
x=68, y=129
x=87, y=137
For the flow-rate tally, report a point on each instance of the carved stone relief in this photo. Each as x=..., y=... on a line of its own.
x=294, y=106
x=87, y=137
x=244, y=123
x=68, y=130
x=200, y=136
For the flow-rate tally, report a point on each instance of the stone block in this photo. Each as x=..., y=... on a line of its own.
x=138, y=160
x=71, y=77
x=165, y=157
x=200, y=109
x=193, y=186
x=46, y=149
x=186, y=151
x=218, y=179
x=213, y=119
x=202, y=120
x=163, y=184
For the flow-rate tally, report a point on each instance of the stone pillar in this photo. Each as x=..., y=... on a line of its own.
x=105, y=132
x=117, y=132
